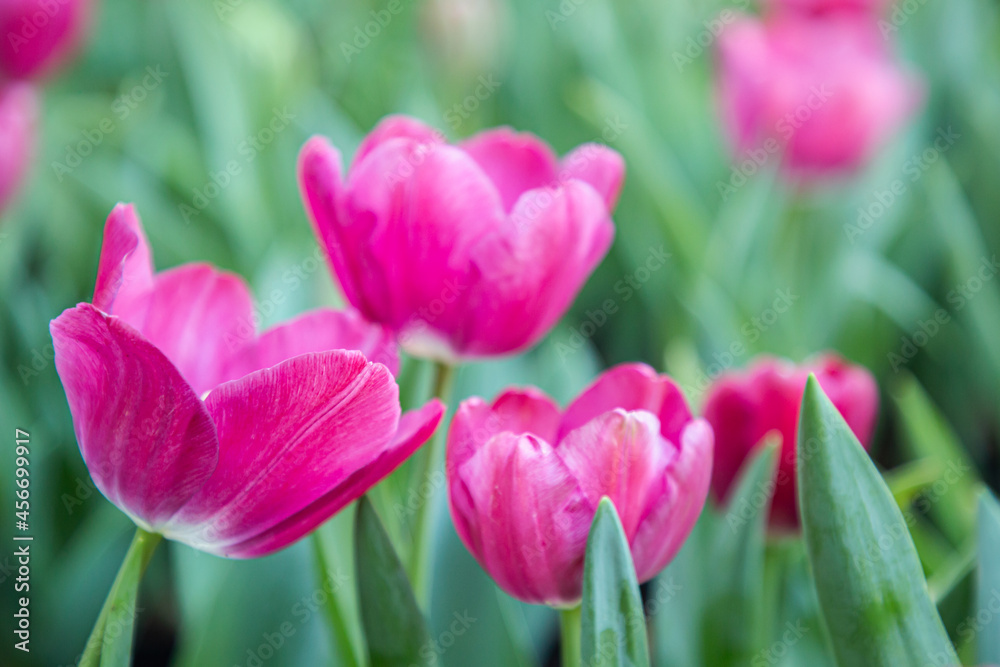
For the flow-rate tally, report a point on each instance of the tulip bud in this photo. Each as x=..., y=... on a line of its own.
x=18, y=111
x=39, y=35
x=744, y=407
x=821, y=95
x=525, y=479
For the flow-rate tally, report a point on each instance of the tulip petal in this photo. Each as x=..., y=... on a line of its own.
x=18, y=121
x=199, y=317
x=317, y=331
x=630, y=387
x=599, y=166
x=677, y=502
x=620, y=455
x=415, y=428
x=147, y=440
x=514, y=162
x=125, y=271
x=525, y=518
x=322, y=189
x=288, y=435
x=396, y=127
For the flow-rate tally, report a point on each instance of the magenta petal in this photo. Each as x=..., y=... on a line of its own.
x=522, y=515
x=676, y=502
x=396, y=127
x=18, y=121
x=316, y=331
x=620, y=455
x=125, y=271
x=516, y=163
x=415, y=428
x=322, y=189
x=147, y=440
x=599, y=166
x=288, y=436
x=199, y=317
x=630, y=387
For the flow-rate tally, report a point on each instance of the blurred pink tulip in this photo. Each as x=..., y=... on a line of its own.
x=39, y=35
x=199, y=429
x=821, y=94
x=18, y=115
x=868, y=8
x=465, y=251
x=743, y=407
x=525, y=479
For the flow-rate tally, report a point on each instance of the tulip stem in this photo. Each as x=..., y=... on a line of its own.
x=119, y=607
x=427, y=462
x=569, y=625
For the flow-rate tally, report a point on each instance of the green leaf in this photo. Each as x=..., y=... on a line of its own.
x=988, y=589
x=951, y=500
x=613, y=627
x=871, y=589
x=393, y=625
x=735, y=622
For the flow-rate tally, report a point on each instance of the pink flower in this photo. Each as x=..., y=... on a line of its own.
x=466, y=251
x=525, y=478
x=825, y=92
x=866, y=8
x=743, y=407
x=18, y=115
x=199, y=429
x=39, y=35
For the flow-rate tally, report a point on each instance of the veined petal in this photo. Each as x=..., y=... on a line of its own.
x=125, y=271
x=676, y=501
x=199, y=317
x=147, y=440
x=288, y=435
x=415, y=428
x=526, y=518
x=316, y=331
x=630, y=387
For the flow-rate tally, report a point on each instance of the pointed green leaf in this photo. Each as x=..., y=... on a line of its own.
x=392, y=621
x=613, y=627
x=734, y=622
x=988, y=589
x=871, y=589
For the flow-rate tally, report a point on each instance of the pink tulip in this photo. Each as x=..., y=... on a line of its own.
x=525, y=479
x=866, y=8
x=39, y=35
x=825, y=92
x=466, y=251
x=205, y=432
x=18, y=115
x=743, y=407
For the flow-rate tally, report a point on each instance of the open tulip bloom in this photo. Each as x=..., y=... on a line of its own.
x=465, y=251
x=209, y=434
x=525, y=479
x=39, y=35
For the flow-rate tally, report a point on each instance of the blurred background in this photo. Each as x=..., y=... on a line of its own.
x=167, y=96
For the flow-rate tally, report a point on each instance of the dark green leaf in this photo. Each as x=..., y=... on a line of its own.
x=871, y=589
x=613, y=625
x=392, y=621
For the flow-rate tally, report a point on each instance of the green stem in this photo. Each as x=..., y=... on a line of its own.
x=120, y=603
x=569, y=626
x=343, y=645
x=428, y=461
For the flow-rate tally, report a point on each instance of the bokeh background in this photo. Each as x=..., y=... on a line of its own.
x=167, y=94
